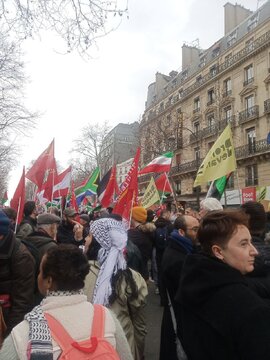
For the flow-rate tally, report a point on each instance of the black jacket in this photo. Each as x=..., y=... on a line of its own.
x=65, y=234
x=220, y=316
x=17, y=277
x=42, y=241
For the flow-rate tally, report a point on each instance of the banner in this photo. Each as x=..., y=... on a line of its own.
x=151, y=195
x=219, y=161
x=248, y=194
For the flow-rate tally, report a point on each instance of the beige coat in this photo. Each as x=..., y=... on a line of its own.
x=130, y=313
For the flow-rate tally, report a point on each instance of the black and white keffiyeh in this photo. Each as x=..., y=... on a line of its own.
x=112, y=237
x=40, y=340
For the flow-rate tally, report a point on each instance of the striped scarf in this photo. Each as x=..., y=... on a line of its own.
x=40, y=340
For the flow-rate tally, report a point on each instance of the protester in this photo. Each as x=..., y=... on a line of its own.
x=62, y=273
x=85, y=222
x=142, y=235
x=209, y=204
x=163, y=229
x=29, y=222
x=220, y=316
x=70, y=231
x=181, y=242
x=12, y=215
x=16, y=276
x=122, y=289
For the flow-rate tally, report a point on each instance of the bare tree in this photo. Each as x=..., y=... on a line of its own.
x=78, y=22
x=15, y=119
x=87, y=148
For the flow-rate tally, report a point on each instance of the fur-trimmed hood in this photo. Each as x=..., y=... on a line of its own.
x=148, y=227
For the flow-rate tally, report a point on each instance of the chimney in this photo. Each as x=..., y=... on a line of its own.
x=190, y=54
x=233, y=16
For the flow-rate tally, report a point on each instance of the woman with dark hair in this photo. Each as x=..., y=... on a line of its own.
x=221, y=317
x=61, y=280
x=115, y=285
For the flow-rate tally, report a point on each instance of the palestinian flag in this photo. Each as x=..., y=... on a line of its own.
x=218, y=186
x=107, y=188
x=160, y=164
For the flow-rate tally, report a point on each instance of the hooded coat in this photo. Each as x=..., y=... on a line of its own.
x=220, y=316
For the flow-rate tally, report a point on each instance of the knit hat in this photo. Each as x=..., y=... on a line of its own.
x=139, y=214
x=4, y=223
x=47, y=219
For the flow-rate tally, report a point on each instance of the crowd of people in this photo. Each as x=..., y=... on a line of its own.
x=77, y=284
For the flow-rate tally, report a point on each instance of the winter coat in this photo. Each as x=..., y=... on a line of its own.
x=143, y=236
x=166, y=227
x=172, y=263
x=27, y=226
x=65, y=234
x=220, y=316
x=17, y=278
x=42, y=241
x=75, y=313
x=130, y=312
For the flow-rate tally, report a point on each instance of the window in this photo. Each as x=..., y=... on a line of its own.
x=161, y=106
x=197, y=153
x=227, y=87
x=249, y=77
x=250, y=44
x=231, y=39
x=196, y=104
x=178, y=187
x=253, y=21
x=202, y=61
x=210, y=97
x=252, y=175
x=196, y=127
x=216, y=52
x=199, y=78
x=211, y=120
x=228, y=59
x=228, y=114
x=251, y=140
x=249, y=102
x=213, y=70
x=184, y=75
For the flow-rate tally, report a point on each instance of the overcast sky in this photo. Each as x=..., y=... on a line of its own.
x=70, y=92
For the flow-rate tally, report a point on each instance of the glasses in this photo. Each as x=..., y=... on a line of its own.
x=194, y=228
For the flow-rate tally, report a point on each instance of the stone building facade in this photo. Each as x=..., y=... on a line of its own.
x=119, y=145
x=227, y=83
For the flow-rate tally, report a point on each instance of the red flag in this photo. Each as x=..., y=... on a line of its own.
x=17, y=202
x=49, y=183
x=44, y=162
x=128, y=196
x=73, y=202
x=107, y=187
x=62, y=183
x=163, y=184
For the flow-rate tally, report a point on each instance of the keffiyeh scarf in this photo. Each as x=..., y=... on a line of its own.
x=112, y=237
x=40, y=340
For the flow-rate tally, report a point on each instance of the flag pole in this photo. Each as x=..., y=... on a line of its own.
x=163, y=190
x=52, y=190
x=18, y=212
x=133, y=196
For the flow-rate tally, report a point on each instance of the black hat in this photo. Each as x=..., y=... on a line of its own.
x=44, y=219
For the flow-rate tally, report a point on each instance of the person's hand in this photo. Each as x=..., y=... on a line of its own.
x=88, y=241
x=78, y=231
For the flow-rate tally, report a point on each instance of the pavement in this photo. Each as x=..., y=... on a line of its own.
x=153, y=320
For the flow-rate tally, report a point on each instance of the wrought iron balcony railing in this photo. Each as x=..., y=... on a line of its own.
x=267, y=106
x=249, y=114
x=251, y=182
x=186, y=167
x=227, y=93
x=256, y=147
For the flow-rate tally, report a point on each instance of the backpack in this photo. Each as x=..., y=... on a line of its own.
x=96, y=347
x=160, y=239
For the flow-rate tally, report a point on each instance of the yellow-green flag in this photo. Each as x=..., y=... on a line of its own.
x=219, y=161
x=151, y=195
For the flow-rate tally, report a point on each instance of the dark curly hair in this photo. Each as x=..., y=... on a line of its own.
x=67, y=266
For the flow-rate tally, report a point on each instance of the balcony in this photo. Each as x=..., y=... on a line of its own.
x=187, y=167
x=248, y=81
x=196, y=136
x=267, y=106
x=249, y=114
x=227, y=93
x=210, y=130
x=210, y=102
x=223, y=123
x=255, y=148
x=196, y=110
